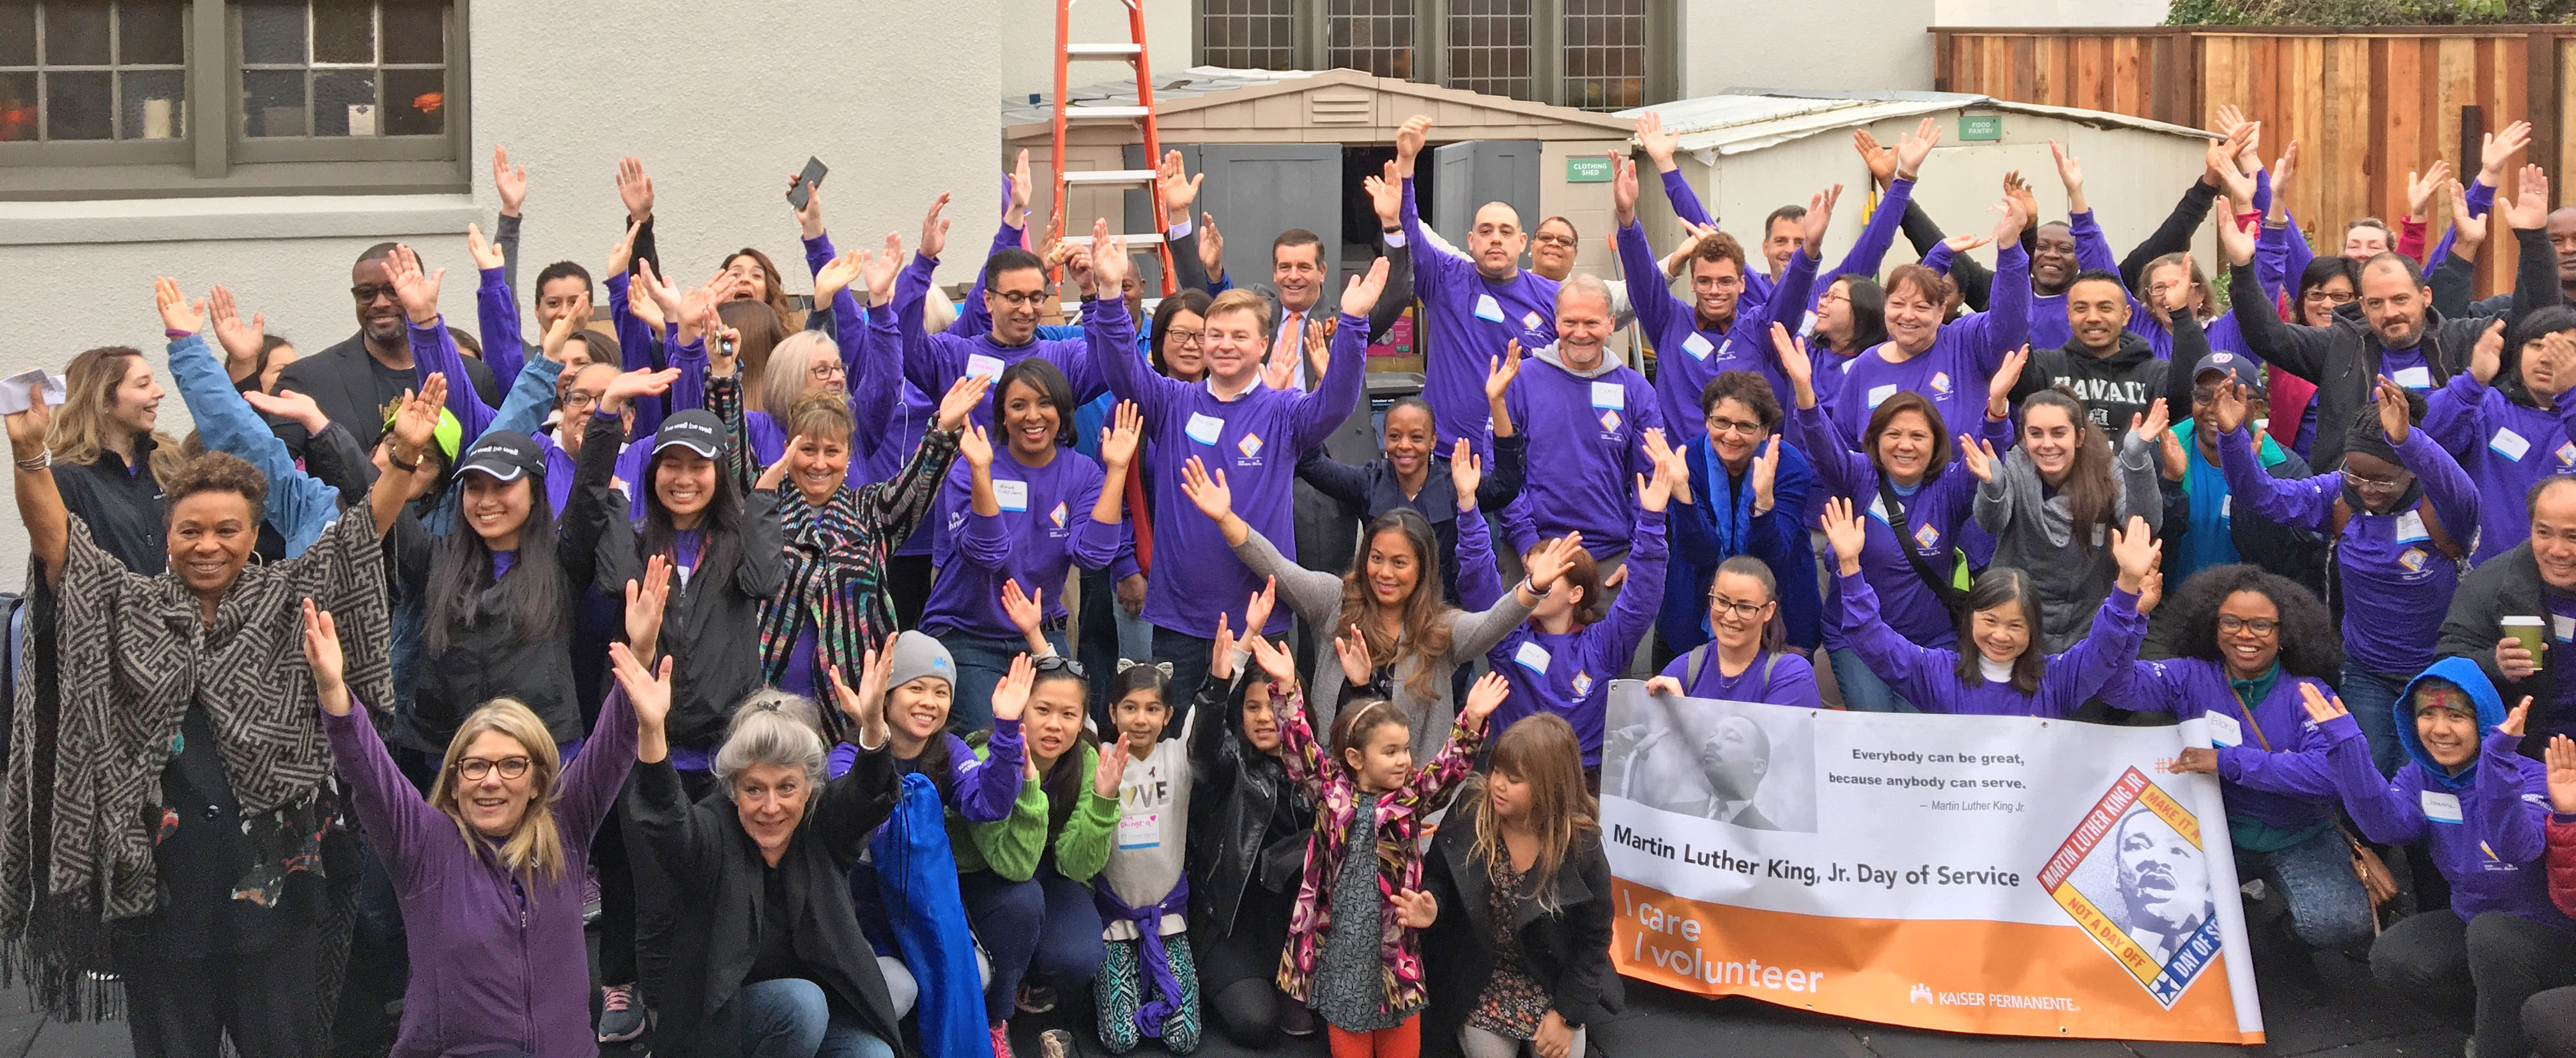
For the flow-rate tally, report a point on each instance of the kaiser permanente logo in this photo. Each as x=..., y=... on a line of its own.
x=2151, y=911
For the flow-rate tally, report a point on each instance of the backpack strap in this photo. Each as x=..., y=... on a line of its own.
x=1770, y=662
x=1691, y=663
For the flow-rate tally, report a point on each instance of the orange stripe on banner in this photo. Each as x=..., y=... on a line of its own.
x=1999, y=978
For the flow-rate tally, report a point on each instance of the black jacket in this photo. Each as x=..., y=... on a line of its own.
x=1567, y=951
x=2112, y=387
x=2343, y=358
x=710, y=624
x=2508, y=585
x=121, y=506
x=1372, y=489
x=718, y=881
x=342, y=380
x=490, y=658
x=1248, y=823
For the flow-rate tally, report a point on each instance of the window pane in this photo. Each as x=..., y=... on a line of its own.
x=1489, y=43
x=1246, y=34
x=415, y=32
x=76, y=106
x=272, y=32
x=151, y=33
x=76, y=33
x=1371, y=35
x=344, y=103
x=17, y=107
x=273, y=103
x=344, y=31
x=156, y=104
x=415, y=102
x=18, y=34
x=1605, y=54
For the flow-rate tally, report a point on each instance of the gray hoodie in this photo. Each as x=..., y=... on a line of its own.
x=2071, y=577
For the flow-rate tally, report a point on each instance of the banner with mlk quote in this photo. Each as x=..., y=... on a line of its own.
x=2002, y=875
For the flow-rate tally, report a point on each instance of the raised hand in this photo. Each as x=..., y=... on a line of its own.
x=1212, y=245
x=2393, y=418
x=2420, y=188
x=1501, y=370
x=1256, y=610
x=1979, y=455
x=1025, y=610
x=417, y=291
x=1281, y=666
x=641, y=382
x=2070, y=171
x=1999, y=387
x=2233, y=240
x=1959, y=245
x=1482, y=699
x=1820, y=215
x=2228, y=406
x=1109, y=263
x=1221, y=653
x=1113, y=767
x=2232, y=181
x=291, y=406
x=2169, y=452
x=176, y=313
x=878, y=270
x=1795, y=364
x=1659, y=144
x=2472, y=230
x=2283, y=168
x=1466, y=474
x=1362, y=293
x=1655, y=493
x=1409, y=140
x=1765, y=475
x=661, y=291
x=2529, y=210
x=1119, y=439
x=1880, y=160
x=809, y=220
x=2514, y=719
x=1415, y=909
x=2321, y=708
x=645, y=602
x=975, y=447
x=648, y=688
x=2487, y=357
x=486, y=253
x=2019, y=191
x=837, y=275
x=1353, y=652
x=241, y=341
x=962, y=397
x=1844, y=533
x=1177, y=188
x=635, y=189
x=417, y=420
x=2498, y=149
x=2137, y=551
x=2562, y=774
x=2143, y=429
x=1547, y=563
x=1209, y=492
x=1022, y=187
x=1911, y=150
x=2011, y=216
x=934, y=228
x=1623, y=189
x=864, y=705
x=1011, y=695
x=322, y=655
x=510, y=180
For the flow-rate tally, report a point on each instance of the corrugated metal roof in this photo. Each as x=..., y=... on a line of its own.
x=1743, y=120
x=1195, y=81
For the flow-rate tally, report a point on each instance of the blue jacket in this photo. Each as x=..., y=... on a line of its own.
x=2492, y=855
x=1714, y=528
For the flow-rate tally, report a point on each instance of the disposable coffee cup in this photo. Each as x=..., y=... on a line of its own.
x=2529, y=631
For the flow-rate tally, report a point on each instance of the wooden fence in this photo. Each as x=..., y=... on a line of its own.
x=2367, y=106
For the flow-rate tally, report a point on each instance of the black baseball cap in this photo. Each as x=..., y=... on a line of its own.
x=697, y=430
x=2236, y=365
x=505, y=455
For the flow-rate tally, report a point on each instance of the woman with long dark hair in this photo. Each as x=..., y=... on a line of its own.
x=1851, y=319
x=2054, y=501
x=1747, y=657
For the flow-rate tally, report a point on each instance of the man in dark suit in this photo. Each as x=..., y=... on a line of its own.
x=359, y=380
x=1735, y=758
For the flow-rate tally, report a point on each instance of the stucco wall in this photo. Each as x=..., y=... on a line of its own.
x=2049, y=12
x=1763, y=44
x=721, y=103
x=1028, y=41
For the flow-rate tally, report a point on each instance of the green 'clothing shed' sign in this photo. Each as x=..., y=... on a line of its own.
x=1593, y=170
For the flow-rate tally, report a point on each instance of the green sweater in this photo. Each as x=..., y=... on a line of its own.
x=1011, y=846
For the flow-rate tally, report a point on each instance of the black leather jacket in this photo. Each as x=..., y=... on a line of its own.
x=1248, y=823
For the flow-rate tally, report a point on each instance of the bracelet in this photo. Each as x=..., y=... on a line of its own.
x=412, y=467
x=38, y=463
x=1534, y=589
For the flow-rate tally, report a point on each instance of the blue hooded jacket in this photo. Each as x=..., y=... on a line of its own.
x=2492, y=853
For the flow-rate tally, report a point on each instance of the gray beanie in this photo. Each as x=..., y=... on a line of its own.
x=917, y=655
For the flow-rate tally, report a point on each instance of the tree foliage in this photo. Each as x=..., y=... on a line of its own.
x=2368, y=12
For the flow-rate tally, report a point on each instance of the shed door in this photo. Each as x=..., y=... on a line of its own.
x=1256, y=191
x=1480, y=171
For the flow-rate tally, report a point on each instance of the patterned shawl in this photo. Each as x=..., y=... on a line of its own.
x=131, y=654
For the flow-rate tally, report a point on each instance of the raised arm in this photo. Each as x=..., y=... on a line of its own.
x=496, y=310
x=2298, y=350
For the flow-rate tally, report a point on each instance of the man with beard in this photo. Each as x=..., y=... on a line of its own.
x=359, y=382
x=2163, y=884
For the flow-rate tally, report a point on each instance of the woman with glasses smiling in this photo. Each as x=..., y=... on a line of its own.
x=2397, y=516
x=1747, y=660
x=1743, y=492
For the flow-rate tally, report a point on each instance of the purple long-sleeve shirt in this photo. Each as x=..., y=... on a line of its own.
x=1569, y=674
x=496, y=310
x=2506, y=446
x=1471, y=319
x=1587, y=437
x=2049, y=327
x=1928, y=677
x=1045, y=525
x=984, y=788
x=2276, y=774
x=1933, y=513
x=2492, y=856
x=933, y=362
x=1964, y=355
x=497, y=960
x=1691, y=352
x=2397, y=584
x=1783, y=678
x=1254, y=439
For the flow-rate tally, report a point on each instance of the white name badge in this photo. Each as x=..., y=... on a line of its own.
x=2409, y=526
x=1140, y=830
x=2227, y=506
x=1532, y=657
x=2441, y=807
x=2414, y=377
x=1878, y=510
x=1697, y=346
x=1013, y=495
x=1609, y=395
x=2508, y=444
x=2224, y=731
x=987, y=366
x=1878, y=394
x=2564, y=625
x=1203, y=428
x=1488, y=309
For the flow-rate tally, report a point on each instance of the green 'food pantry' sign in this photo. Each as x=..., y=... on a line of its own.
x=1591, y=170
x=1981, y=126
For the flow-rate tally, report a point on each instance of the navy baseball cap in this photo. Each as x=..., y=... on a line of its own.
x=505, y=455
x=2238, y=366
x=697, y=430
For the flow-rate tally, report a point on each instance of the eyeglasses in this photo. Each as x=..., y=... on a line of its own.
x=1056, y=662
x=574, y=399
x=1717, y=424
x=1018, y=299
x=2261, y=626
x=1553, y=240
x=367, y=293
x=1177, y=336
x=2384, y=484
x=825, y=368
x=1744, y=610
x=2331, y=297
x=473, y=769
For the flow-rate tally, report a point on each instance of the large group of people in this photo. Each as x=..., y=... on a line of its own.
x=872, y=674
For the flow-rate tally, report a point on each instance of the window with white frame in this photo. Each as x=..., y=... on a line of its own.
x=1591, y=54
x=194, y=97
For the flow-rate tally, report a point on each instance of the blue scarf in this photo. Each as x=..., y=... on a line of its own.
x=1149, y=939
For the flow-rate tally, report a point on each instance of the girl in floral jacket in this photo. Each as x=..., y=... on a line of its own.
x=1366, y=984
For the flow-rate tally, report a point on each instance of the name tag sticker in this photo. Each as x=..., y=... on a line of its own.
x=2508, y=444
x=2441, y=807
x=2227, y=506
x=2414, y=377
x=1697, y=346
x=1140, y=830
x=2409, y=526
x=1488, y=309
x=1878, y=510
x=987, y=366
x=1203, y=428
x=2224, y=731
x=1532, y=657
x=1013, y=495
x=1609, y=395
x=1878, y=394
x=2564, y=625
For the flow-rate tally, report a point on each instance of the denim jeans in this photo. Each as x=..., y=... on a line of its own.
x=2372, y=700
x=790, y=1017
x=2329, y=910
x=1189, y=657
x=981, y=663
x=1046, y=927
x=1863, y=691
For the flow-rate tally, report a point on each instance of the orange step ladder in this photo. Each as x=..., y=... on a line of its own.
x=1142, y=114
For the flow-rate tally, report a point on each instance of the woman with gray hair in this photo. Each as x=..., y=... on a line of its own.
x=767, y=959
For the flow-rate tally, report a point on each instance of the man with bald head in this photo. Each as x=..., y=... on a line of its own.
x=1586, y=416
x=1473, y=301
x=2396, y=331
